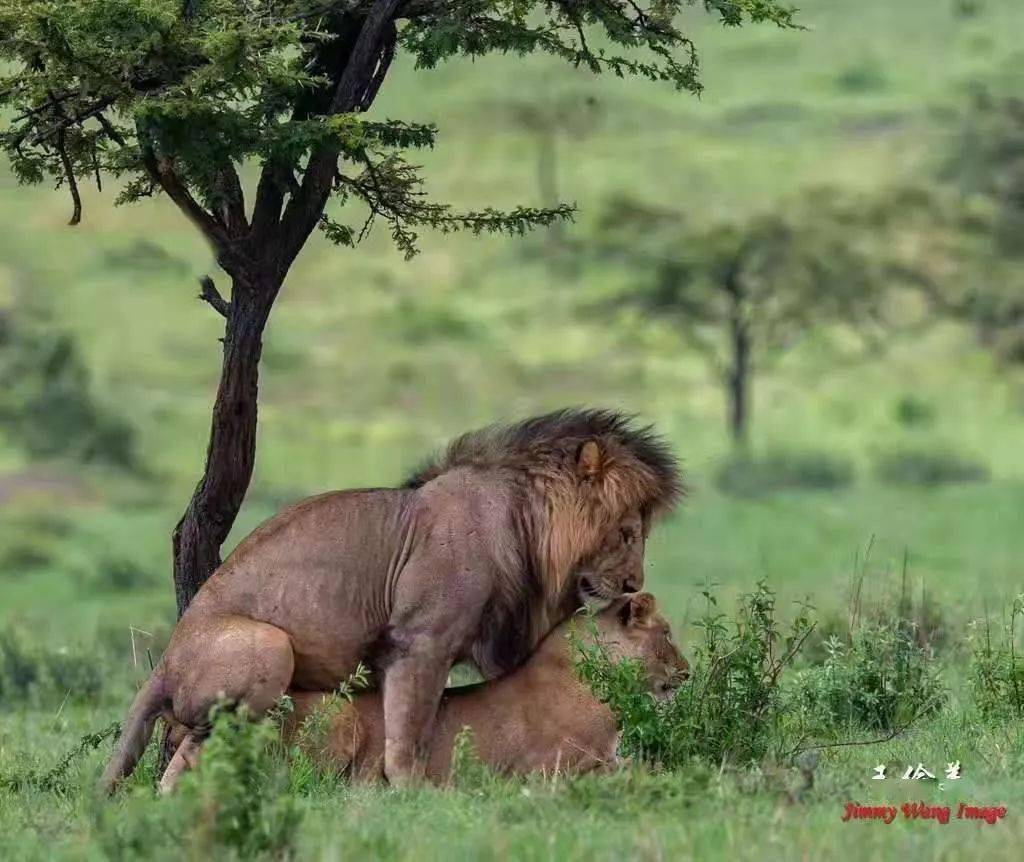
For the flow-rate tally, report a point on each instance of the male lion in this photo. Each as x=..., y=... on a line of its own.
x=478, y=557
x=541, y=717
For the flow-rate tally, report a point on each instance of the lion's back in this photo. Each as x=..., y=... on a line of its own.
x=322, y=555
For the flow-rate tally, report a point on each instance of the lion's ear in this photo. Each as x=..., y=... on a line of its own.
x=637, y=610
x=589, y=460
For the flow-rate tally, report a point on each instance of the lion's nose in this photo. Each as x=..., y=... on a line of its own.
x=631, y=585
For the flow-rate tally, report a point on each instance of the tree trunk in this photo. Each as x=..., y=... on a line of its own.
x=258, y=258
x=231, y=451
x=738, y=381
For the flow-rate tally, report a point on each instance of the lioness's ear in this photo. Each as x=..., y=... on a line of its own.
x=589, y=460
x=637, y=610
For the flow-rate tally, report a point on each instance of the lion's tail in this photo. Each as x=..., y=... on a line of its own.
x=135, y=732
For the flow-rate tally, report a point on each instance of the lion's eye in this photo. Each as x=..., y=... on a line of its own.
x=627, y=537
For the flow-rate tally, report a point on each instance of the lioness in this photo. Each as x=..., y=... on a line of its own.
x=478, y=557
x=539, y=718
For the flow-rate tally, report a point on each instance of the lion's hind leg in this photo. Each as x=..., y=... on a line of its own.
x=186, y=757
x=230, y=659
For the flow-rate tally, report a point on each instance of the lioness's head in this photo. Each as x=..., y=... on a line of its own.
x=632, y=628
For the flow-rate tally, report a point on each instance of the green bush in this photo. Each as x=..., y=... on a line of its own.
x=27, y=541
x=234, y=805
x=864, y=76
x=102, y=570
x=914, y=412
x=879, y=678
x=47, y=405
x=731, y=711
x=309, y=758
x=740, y=709
x=921, y=616
x=928, y=467
x=996, y=672
x=746, y=475
x=44, y=675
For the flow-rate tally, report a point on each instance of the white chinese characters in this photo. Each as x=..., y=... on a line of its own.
x=919, y=772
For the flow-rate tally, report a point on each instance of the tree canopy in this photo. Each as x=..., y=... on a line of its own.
x=175, y=96
x=744, y=291
x=172, y=96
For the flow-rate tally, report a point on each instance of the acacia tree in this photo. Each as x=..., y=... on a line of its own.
x=743, y=292
x=547, y=117
x=174, y=96
x=981, y=230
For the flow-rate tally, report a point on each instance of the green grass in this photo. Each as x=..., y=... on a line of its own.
x=371, y=362
x=698, y=812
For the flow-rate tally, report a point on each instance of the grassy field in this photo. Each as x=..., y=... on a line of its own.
x=372, y=361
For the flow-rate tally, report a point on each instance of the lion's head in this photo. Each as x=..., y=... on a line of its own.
x=589, y=485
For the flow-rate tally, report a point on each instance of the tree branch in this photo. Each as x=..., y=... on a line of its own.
x=208, y=293
x=162, y=173
x=303, y=210
x=270, y=192
x=231, y=200
x=66, y=120
x=387, y=54
x=69, y=176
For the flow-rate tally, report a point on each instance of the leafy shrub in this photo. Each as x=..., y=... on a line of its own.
x=27, y=541
x=914, y=412
x=102, y=570
x=43, y=674
x=47, y=404
x=239, y=785
x=635, y=793
x=731, y=711
x=921, y=616
x=862, y=77
x=233, y=805
x=310, y=752
x=996, y=674
x=747, y=475
x=928, y=467
x=57, y=778
x=880, y=678
x=468, y=771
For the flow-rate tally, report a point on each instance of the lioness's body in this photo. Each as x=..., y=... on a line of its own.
x=539, y=718
x=478, y=558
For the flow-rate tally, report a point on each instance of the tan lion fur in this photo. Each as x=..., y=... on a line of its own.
x=539, y=718
x=477, y=557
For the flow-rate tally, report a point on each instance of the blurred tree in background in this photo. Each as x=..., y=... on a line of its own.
x=174, y=97
x=744, y=292
x=46, y=400
x=986, y=168
x=547, y=118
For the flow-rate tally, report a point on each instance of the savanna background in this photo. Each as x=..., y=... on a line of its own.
x=881, y=481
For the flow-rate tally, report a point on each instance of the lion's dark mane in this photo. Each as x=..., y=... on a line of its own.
x=551, y=442
x=557, y=517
